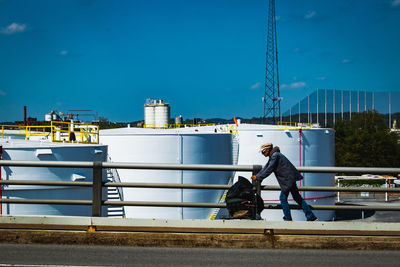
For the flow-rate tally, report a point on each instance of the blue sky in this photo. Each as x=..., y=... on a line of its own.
x=205, y=57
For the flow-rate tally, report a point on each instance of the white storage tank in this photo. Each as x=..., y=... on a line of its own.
x=149, y=119
x=14, y=149
x=47, y=117
x=178, y=119
x=161, y=146
x=156, y=113
x=161, y=114
x=305, y=147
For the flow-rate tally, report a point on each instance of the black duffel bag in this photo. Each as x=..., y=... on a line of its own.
x=242, y=201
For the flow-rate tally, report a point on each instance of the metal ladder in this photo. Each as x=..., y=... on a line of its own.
x=116, y=194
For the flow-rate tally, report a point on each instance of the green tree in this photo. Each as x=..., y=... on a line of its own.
x=104, y=123
x=366, y=141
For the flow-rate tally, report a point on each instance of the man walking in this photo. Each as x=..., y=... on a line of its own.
x=287, y=175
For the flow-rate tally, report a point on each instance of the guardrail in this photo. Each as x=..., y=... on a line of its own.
x=97, y=202
x=57, y=131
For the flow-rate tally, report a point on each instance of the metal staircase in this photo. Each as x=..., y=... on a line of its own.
x=235, y=148
x=114, y=194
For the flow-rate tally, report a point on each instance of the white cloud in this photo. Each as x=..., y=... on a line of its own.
x=396, y=3
x=13, y=28
x=344, y=61
x=64, y=52
x=294, y=85
x=310, y=15
x=255, y=86
x=321, y=78
x=297, y=85
x=2, y=93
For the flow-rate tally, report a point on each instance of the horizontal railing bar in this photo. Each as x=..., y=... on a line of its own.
x=122, y=165
x=164, y=204
x=56, y=164
x=338, y=189
x=187, y=204
x=197, y=186
x=369, y=170
x=351, y=207
x=164, y=185
x=269, y=188
x=45, y=201
x=189, y=167
x=222, y=205
x=49, y=183
x=193, y=167
x=338, y=207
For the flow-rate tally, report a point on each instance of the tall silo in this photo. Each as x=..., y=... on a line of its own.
x=161, y=114
x=178, y=119
x=149, y=112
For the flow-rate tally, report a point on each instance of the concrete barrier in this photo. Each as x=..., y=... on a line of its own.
x=199, y=233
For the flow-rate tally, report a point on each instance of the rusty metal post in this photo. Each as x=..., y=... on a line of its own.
x=97, y=188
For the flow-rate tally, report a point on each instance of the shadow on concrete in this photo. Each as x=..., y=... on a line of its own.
x=344, y=215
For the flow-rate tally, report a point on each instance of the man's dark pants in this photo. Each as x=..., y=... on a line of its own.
x=297, y=197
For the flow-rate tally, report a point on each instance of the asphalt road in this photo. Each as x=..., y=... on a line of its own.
x=63, y=255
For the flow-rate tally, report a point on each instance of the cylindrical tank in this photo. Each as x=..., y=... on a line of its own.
x=47, y=117
x=39, y=151
x=54, y=116
x=305, y=147
x=149, y=119
x=178, y=119
x=159, y=146
x=161, y=115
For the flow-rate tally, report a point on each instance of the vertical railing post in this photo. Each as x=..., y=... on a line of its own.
x=97, y=188
x=257, y=186
x=386, y=193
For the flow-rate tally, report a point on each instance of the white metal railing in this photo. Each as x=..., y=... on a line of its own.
x=98, y=183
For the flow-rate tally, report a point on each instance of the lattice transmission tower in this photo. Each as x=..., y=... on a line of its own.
x=272, y=107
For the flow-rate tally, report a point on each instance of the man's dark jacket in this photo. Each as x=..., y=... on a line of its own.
x=285, y=172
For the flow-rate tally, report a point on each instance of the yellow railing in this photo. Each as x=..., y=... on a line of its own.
x=228, y=128
x=25, y=131
x=293, y=125
x=58, y=131
x=187, y=125
x=72, y=132
x=173, y=126
x=156, y=126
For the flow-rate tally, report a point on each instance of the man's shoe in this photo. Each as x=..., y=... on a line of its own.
x=313, y=219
